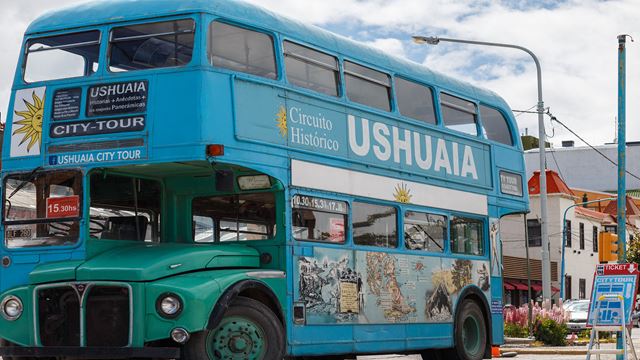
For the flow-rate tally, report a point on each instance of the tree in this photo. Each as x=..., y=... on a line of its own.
x=633, y=249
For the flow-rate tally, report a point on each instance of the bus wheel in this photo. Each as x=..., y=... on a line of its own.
x=471, y=334
x=248, y=330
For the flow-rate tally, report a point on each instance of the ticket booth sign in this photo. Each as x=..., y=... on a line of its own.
x=613, y=281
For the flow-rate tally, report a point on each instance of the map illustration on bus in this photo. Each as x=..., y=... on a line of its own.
x=205, y=179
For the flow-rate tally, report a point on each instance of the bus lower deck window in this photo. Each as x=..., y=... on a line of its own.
x=243, y=50
x=318, y=219
x=62, y=56
x=374, y=225
x=152, y=45
x=424, y=231
x=466, y=236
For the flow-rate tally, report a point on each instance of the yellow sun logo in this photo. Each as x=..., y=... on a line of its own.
x=402, y=193
x=281, y=121
x=31, y=123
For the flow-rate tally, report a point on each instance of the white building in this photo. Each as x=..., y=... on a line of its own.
x=581, y=252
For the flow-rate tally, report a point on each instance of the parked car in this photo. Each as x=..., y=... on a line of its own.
x=576, y=315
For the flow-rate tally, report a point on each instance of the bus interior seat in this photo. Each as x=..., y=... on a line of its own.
x=124, y=228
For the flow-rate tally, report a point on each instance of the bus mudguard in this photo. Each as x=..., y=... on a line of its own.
x=255, y=289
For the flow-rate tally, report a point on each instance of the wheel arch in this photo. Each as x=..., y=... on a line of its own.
x=475, y=294
x=250, y=288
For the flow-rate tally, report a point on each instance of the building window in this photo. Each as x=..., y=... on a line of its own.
x=243, y=50
x=311, y=69
x=374, y=225
x=415, y=101
x=367, y=86
x=495, y=125
x=568, y=233
x=581, y=227
x=582, y=291
x=466, y=236
x=595, y=239
x=567, y=287
x=459, y=114
x=534, y=231
x=424, y=231
x=152, y=45
x=317, y=219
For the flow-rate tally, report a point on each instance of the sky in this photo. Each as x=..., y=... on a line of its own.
x=575, y=41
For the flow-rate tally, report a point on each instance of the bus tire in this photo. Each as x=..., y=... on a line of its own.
x=248, y=330
x=470, y=332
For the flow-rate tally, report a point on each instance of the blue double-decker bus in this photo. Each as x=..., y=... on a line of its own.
x=205, y=179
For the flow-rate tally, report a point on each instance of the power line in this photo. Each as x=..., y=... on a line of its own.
x=553, y=118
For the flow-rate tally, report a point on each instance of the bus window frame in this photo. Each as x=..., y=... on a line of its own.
x=276, y=46
x=281, y=63
x=479, y=131
x=486, y=253
x=391, y=97
x=197, y=43
x=446, y=251
x=30, y=37
x=83, y=208
x=508, y=120
x=351, y=240
x=434, y=101
x=348, y=234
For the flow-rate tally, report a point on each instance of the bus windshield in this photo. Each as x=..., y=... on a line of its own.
x=42, y=209
x=124, y=208
x=62, y=56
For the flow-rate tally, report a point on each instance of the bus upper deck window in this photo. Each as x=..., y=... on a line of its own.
x=459, y=114
x=152, y=45
x=415, y=101
x=367, y=86
x=62, y=56
x=243, y=50
x=311, y=69
x=495, y=125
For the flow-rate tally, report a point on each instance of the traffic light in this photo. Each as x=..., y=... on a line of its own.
x=607, y=247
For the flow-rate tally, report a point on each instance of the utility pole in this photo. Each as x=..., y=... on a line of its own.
x=622, y=162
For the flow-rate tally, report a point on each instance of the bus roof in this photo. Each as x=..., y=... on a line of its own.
x=112, y=11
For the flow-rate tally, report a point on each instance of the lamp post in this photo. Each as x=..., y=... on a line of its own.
x=564, y=238
x=544, y=234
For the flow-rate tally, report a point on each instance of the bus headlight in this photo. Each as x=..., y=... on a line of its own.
x=169, y=305
x=11, y=308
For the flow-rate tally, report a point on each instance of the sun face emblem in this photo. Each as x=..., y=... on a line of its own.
x=281, y=121
x=402, y=194
x=31, y=123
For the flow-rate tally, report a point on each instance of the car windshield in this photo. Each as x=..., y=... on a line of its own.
x=581, y=306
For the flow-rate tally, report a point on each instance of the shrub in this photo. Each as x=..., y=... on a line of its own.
x=515, y=330
x=551, y=332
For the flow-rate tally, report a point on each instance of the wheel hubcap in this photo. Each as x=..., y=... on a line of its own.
x=471, y=335
x=236, y=338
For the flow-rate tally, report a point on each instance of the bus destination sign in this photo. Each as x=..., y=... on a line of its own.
x=97, y=127
x=117, y=98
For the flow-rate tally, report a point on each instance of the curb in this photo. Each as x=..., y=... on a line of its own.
x=545, y=351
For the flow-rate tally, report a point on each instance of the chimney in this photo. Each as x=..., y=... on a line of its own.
x=567, y=143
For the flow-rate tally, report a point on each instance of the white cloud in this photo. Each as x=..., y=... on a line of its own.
x=575, y=41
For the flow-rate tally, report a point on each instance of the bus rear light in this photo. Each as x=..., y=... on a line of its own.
x=215, y=150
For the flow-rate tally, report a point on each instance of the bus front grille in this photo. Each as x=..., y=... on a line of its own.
x=59, y=316
x=106, y=321
x=107, y=316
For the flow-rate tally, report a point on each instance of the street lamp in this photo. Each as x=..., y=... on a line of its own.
x=564, y=238
x=544, y=234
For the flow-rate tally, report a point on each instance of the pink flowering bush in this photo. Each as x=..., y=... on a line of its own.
x=544, y=316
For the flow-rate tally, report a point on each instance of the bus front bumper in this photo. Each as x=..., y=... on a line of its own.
x=91, y=352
